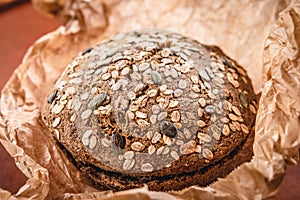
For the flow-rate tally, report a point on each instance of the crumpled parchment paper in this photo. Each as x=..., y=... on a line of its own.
x=263, y=36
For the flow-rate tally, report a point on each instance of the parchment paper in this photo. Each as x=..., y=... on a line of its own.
x=263, y=36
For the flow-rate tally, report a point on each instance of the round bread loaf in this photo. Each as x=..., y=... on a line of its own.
x=153, y=107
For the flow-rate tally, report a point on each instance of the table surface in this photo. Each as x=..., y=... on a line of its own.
x=20, y=26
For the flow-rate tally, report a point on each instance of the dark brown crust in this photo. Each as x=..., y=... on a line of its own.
x=202, y=177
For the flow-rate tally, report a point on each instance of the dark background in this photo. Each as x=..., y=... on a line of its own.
x=20, y=26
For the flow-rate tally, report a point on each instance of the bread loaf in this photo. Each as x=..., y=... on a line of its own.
x=153, y=107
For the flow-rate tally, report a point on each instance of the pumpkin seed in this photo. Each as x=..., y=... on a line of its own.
x=52, y=96
x=243, y=99
x=156, y=77
x=168, y=129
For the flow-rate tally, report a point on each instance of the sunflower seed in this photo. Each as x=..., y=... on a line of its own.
x=168, y=92
x=135, y=76
x=97, y=101
x=86, y=114
x=128, y=164
x=156, y=77
x=85, y=96
x=207, y=154
x=243, y=99
x=87, y=134
x=147, y=167
x=64, y=102
x=166, y=61
x=230, y=77
x=235, y=84
x=58, y=109
x=104, y=70
x=226, y=62
x=52, y=96
x=128, y=155
x=203, y=74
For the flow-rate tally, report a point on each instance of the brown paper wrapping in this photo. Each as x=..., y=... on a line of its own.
x=263, y=36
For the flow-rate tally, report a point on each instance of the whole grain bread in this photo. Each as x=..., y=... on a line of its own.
x=153, y=107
